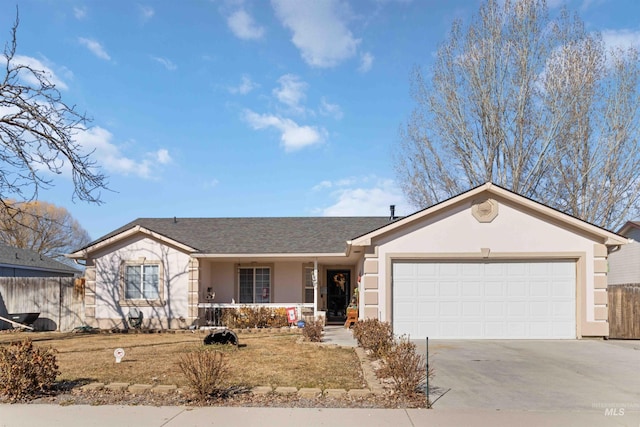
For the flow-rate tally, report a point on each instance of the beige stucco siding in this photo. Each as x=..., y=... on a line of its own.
x=516, y=232
x=110, y=310
x=286, y=280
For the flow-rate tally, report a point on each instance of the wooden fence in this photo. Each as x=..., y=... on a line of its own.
x=59, y=300
x=624, y=311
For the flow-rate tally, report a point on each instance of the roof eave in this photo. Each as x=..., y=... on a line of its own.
x=610, y=238
x=84, y=252
x=270, y=255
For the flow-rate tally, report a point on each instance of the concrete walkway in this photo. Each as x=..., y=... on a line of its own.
x=165, y=416
x=338, y=335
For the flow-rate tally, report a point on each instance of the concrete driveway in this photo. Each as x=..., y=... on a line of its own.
x=537, y=375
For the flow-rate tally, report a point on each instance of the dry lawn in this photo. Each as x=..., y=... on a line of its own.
x=275, y=358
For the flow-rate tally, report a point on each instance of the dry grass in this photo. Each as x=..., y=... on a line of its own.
x=274, y=358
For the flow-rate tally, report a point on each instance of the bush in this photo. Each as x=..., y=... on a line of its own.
x=255, y=317
x=407, y=368
x=26, y=371
x=374, y=335
x=205, y=372
x=312, y=331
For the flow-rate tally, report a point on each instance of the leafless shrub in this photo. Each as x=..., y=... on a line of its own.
x=26, y=371
x=405, y=367
x=205, y=372
x=312, y=331
x=374, y=335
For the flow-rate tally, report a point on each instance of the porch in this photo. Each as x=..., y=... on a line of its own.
x=211, y=315
x=314, y=289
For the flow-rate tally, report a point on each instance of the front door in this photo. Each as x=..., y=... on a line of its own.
x=338, y=292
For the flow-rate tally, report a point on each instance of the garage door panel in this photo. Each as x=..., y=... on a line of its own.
x=538, y=288
x=517, y=309
x=558, y=290
x=427, y=288
x=427, y=309
x=448, y=288
x=494, y=289
x=449, y=309
x=539, y=309
x=471, y=289
x=517, y=288
x=494, y=329
x=484, y=299
x=494, y=309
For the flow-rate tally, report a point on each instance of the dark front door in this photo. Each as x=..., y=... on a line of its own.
x=338, y=292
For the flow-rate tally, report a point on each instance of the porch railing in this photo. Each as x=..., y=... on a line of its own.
x=213, y=311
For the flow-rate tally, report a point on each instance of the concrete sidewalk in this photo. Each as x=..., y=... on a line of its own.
x=150, y=416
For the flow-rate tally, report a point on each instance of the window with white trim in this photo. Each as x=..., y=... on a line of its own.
x=142, y=281
x=308, y=285
x=254, y=284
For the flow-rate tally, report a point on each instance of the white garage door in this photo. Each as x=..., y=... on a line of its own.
x=484, y=300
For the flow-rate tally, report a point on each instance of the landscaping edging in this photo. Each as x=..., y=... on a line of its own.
x=374, y=385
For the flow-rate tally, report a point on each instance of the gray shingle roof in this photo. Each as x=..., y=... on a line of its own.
x=260, y=235
x=10, y=255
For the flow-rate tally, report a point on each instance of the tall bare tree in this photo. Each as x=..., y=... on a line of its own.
x=37, y=134
x=535, y=104
x=42, y=227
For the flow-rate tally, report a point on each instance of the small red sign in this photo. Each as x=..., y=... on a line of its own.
x=291, y=314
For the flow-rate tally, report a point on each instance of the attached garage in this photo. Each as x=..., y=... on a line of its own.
x=487, y=264
x=505, y=299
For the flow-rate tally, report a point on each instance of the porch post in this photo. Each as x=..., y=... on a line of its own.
x=315, y=289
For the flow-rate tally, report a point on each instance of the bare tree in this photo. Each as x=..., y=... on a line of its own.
x=37, y=134
x=534, y=104
x=42, y=227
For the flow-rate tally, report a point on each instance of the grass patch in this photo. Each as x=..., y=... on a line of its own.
x=274, y=358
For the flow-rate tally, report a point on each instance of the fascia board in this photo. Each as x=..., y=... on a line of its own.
x=82, y=254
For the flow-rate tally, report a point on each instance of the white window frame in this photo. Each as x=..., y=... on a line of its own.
x=258, y=295
x=145, y=297
x=308, y=285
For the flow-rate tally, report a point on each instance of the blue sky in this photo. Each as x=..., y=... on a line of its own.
x=230, y=108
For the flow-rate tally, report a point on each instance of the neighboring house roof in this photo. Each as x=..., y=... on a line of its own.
x=608, y=237
x=289, y=235
x=28, y=259
x=628, y=226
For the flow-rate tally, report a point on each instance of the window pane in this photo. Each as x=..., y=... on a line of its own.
x=151, y=282
x=132, y=282
x=308, y=277
x=263, y=283
x=308, y=285
x=245, y=280
x=308, y=295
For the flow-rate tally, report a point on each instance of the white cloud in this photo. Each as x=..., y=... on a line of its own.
x=80, y=12
x=362, y=199
x=146, y=12
x=163, y=157
x=37, y=65
x=366, y=62
x=328, y=109
x=622, y=39
x=109, y=156
x=319, y=30
x=165, y=62
x=246, y=85
x=95, y=47
x=292, y=136
x=291, y=92
x=243, y=26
